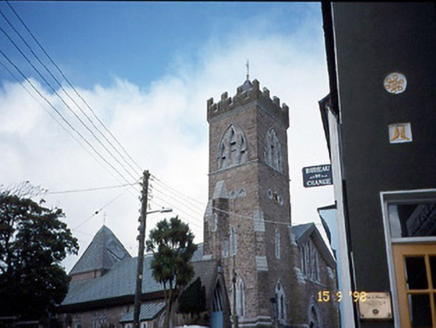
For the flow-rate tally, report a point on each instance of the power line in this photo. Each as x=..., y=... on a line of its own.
x=187, y=216
x=65, y=103
x=98, y=211
x=63, y=118
x=75, y=90
x=193, y=209
x=176, y=192
x=54, y=118
x=91, y=189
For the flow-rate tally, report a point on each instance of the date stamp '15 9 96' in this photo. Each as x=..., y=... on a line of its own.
x=337, y=296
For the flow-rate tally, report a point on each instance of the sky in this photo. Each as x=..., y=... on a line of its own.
x=127, y=92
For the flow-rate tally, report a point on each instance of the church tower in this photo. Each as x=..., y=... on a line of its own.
x=248, y=216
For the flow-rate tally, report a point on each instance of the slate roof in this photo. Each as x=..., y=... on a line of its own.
x=300, y=230
x=120, y=281
x=305, y=231
x=247, y=85
x=104, y=251
x=148, y=311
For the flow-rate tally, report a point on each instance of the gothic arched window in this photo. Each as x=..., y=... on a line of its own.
x=281, y=302
x=277, y=243
x=314, y=315
x=214, y=223
x=273, y=150
x=239, y=286
x=233, y=241
x=232, y=149
x=218, y=300
x=240, y=298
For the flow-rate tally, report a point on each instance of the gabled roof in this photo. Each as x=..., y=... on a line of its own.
x=205, y=270
x=104, y=251
x=118, y=285
x=302, y=229
x=147, y=311
x=303, y=232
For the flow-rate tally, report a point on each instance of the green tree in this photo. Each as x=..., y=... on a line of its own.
x=172, y=245
x=33, y=242
x=193, y=300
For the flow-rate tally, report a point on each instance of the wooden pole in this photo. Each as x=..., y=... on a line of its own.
x=141, y=239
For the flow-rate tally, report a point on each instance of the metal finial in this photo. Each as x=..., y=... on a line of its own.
x=248, y=70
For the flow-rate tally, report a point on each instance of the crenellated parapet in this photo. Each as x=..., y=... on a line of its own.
x=245, y=94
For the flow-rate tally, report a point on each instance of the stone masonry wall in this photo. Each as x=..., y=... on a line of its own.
x=262, y=208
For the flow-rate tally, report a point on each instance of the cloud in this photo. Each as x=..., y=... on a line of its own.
x=164, y=128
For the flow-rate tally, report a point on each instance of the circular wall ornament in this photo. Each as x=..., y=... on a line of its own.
x=395, y=83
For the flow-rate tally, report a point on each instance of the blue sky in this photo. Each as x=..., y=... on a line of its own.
x=147, y=69
x=140, y=41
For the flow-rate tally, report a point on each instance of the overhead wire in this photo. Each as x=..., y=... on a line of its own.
x=186, y=215
x=195, y=210
x=192, y=207
x=67, y=106
x=63, y=118
x=221, y=210
x=98, y=211
x=176, y=192
x=72, y=86
x=61, y=86
x=57, y=67
x=92, y=189
x=54, y=117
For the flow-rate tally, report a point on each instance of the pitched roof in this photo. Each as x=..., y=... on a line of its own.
x=304, y=231
x=148, y=311
x=104, y=251
x=300, y=230
x=120, y=281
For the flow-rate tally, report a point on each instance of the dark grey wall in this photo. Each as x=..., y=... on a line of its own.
x=373, y=40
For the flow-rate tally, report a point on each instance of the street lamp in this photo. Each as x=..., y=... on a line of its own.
x=162, y=210
x=140, y=269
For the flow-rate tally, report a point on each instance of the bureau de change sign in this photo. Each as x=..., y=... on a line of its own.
x=317, y=176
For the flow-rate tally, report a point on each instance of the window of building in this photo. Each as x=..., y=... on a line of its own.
x=281, y=302
x=217, y=304
x=225, y=248
x=232, y=148
x=272, y=150
x=214, y=223
x=103, y=318
x=277, y=243
x=239, y=297
x=412, y=219
x=410, y=231
x=233, y=241
x=314, y=320
x=310, y=261
x=95, y=321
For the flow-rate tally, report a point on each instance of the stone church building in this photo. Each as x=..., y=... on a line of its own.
x=259, y=270
x=273, y=275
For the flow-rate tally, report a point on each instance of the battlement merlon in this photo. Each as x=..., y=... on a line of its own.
x=245, y=94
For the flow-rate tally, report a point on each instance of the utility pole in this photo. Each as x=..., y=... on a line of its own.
x=141, y=239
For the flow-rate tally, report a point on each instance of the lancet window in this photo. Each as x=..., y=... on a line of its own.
x=239, y=286
x=277, y=244
x=232, y=148
x=273, y=151
x=281, y=302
